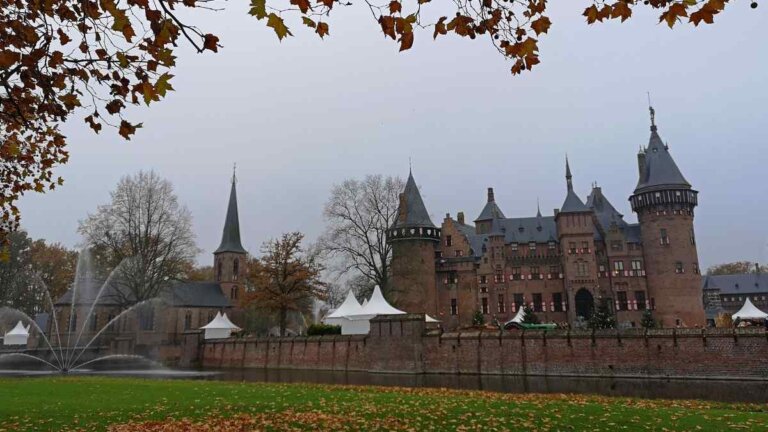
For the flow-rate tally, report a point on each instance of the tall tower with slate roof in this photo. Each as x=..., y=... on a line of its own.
x=575, y=229
x=414, y=238
x=664, y=202
x=230, y=259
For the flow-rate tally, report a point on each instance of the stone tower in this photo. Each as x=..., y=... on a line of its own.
x=230, y=259
x=414, y=238
x=664, y=202
x=576, y=232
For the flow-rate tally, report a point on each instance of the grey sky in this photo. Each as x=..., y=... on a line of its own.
x=301, y=115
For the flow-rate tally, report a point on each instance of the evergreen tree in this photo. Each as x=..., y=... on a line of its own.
x=602, y=318
x=478, y=319
x=529, y=317
x=647, y=321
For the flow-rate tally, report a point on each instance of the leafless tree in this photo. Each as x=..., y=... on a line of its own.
x=143, y=232
x=358, y=214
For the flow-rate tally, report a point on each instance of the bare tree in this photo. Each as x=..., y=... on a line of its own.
x=286, y=278
x=358, y=213
x=146, y=232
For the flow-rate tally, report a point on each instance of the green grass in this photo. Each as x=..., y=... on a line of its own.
x=92, y=404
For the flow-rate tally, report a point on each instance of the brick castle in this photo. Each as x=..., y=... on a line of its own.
x=559, y=264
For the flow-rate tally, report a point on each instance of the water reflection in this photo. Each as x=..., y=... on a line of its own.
x=714, y=390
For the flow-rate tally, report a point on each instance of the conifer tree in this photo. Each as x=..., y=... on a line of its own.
x=529, y=317
x=478, y=319
x=603, y=318
x=647, y=320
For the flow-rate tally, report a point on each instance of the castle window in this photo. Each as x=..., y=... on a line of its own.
x=448, y=241
x=585, y=246
x=459, y=253
x=188, y=320
x=502, y=307
x=537, y=302
x=499, y=276
x=532, y=248
x=235, y=269
x=519, y=300
x=621, y=301
x=438, y=254
x=551, y=245
x=693, y=237
x=696, y=268
x=484, y=279
x=637, y=267
x=571, y=247
x=618, y=266
x=581, y=268
x=557, y=302
x=454, y=307
x=484, y=289
x=234, y=292
x=219, y=268
x=513, y=246
x=554, y=271
x=664, y=238
x=484, y=305
x=516, y=273
x=679, y=267
x=535, y=273
x=453, y=277
x=640, y=299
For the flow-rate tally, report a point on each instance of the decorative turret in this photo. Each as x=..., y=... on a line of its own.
x=664, y=202
x=414, y=239
x=230, y=257
x=413, y=220
x=572, y=203
x=491, y=212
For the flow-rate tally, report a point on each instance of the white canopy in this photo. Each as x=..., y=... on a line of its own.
x=349, y=307
x=232, y=325
x=220, y=327
x=377, y=305
x=429, y=319
x=17, y=336
x=518, y=319
x=749, y=311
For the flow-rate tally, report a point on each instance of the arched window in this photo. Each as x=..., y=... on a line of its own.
x=234, y=292
x=235, y=269
x=188, y=320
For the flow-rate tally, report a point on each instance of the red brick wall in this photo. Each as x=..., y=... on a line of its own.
x=402, y=344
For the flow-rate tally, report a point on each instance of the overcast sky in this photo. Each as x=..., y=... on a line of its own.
x=301, y=115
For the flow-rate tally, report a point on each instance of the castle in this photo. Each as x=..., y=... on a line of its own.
x=559, y=265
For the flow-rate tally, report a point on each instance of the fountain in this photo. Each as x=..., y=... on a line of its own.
x=73, y=349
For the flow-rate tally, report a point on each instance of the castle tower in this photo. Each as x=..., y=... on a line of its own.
x=576, y=231
x=491, y=212
x=230, y=259
x=414, y=238
x=664, y=202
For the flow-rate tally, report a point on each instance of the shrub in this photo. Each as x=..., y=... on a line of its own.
x=647, y=321
x=323, y=329
x=602, y=318
x=478, y=319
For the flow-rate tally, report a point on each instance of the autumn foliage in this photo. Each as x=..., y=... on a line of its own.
x=101, y=56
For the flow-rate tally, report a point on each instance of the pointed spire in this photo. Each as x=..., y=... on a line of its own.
x=656, y=166
x=230, y=237
x=412, y=212
x=538, y=208
x=491, y=210
x=568, y=175
x=572, y=201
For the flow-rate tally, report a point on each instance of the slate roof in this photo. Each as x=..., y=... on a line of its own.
x=416, y=214
x=746, y=283
x=607, y=214
x=182, y=294
x=661, y=171
x=539, y=229
x=230, y=237
x=490, y=211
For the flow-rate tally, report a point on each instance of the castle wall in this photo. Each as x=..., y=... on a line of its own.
x=402, y=344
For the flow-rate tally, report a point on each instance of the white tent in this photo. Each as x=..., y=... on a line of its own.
x=518, y=319
x=377, y=305
x=17, y=336
x=429, y=319
x=749, y=311
x=219, y=328
x=350, y=306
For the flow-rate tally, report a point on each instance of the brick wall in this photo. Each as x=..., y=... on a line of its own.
x=404, y=344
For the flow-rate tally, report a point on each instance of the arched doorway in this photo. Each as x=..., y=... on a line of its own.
x=585, y=303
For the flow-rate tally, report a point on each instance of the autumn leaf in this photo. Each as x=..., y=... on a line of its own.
x=388, y=25
x=211, y=42
x=591, y=14
x=258, y=8
x=163, y=85
x=440, y=27
x=308, y=22
x=395, y=7
x=406, y=41
x=322, y=29
x=621, y=9
x=303, y=5
x=541, y=25
x=278, y=25
x=8, y=58
x=127, y=129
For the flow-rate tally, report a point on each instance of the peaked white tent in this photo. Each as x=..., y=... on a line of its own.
x=219, y=328
x=377, y=305
x=429, y=319
x=518, y=318
x=749, y=311
x=17, y=336
x=350, y=306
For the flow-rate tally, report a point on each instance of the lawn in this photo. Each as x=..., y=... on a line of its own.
x=116, y=404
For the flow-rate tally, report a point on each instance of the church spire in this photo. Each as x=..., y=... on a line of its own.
x=230, y=238
x=568, y=175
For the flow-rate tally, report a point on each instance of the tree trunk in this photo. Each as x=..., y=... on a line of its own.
x=283, y=320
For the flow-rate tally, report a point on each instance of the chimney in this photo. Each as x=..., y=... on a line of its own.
x=460, y=217
x=402, y=213
x=641, y=164
x=490, y=195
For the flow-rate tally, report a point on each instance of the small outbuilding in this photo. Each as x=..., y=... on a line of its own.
x=749, y=312
x=17, y=336
x=219, y=328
